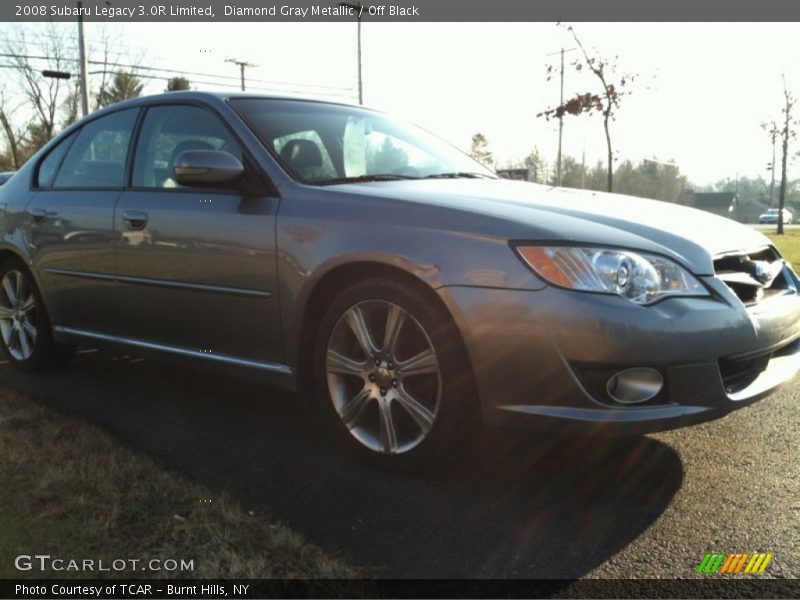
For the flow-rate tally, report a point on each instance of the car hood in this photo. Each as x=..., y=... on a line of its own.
x=541, y=213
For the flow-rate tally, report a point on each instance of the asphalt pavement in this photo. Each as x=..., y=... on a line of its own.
x=519, y=505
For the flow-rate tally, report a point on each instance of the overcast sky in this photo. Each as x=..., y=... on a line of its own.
x=700, y=97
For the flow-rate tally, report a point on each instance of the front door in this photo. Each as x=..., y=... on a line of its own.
x=196, y=267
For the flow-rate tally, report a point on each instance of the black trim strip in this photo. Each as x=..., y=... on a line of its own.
x=200, y=287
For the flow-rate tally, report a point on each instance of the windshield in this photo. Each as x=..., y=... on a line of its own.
x=328, y=143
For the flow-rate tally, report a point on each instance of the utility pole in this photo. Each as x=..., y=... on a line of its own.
x=790, y=102
x=357, y=8
x=561, y=116
x=560, y=120
x=772, y=169
x=243, y=64
x=84, y=63
x=583, y=165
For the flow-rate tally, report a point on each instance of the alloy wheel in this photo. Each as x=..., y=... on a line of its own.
x=383, y=376
x=18, y=315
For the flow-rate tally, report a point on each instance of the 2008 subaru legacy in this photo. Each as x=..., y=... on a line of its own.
x=332, y=246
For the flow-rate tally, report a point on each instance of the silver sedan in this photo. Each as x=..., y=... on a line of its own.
x=350, y=256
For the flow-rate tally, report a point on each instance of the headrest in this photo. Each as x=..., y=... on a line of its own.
x=302, y=154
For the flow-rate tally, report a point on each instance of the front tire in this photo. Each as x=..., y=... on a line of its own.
x=393, y=375
x=26, y=335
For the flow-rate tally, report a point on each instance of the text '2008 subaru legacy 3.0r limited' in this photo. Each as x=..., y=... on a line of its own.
x=334, y=248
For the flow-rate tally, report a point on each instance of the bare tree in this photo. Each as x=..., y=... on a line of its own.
x=112, y=66
x=32, y=107
x=787, y=132
x=14, y=135
x=72, y=105
x=107, y=56
x=606, y=102
x=43, y=95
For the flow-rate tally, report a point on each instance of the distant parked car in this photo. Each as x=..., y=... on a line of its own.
x=771, y=216
x=5, y=176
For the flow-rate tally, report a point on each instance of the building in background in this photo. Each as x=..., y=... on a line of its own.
x=724, y=204
x=522, y=174
x=728, y=204
x=748, y=212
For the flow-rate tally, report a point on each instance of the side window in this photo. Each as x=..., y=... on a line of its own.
x=305, y=152
x=97, y=158
x=49, y=166
x=167, y=132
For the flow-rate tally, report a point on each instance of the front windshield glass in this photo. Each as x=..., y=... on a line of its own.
x=328, y=143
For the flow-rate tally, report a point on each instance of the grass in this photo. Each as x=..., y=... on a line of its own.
x=789, y=245
x=70, y=490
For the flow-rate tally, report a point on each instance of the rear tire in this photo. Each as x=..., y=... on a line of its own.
x=393, y=376
x=26, y=336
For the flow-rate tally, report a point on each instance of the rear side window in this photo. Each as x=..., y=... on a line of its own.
x=167, y=132
x=49, y=166
x=98, y=156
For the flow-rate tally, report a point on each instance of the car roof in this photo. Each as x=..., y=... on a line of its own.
x=217, y=96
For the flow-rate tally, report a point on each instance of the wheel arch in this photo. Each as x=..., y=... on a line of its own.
x=339, y=278
x=8, y=251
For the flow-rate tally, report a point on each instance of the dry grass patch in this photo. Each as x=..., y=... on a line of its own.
x=70, y=490
x=788, y=244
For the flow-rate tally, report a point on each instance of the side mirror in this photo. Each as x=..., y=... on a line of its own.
x=206, y=167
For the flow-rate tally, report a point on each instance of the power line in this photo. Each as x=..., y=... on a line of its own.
x=181, y=72
x=213, y=83
x=209, y=83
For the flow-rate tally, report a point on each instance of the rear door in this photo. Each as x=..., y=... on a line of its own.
x=197, y=267
x=71, y=221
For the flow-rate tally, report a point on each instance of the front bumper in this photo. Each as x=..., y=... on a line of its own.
x=529, y=350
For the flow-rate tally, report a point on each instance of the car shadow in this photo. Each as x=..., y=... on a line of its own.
x=517, y=504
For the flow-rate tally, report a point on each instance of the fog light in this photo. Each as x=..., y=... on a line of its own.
x=633, y=386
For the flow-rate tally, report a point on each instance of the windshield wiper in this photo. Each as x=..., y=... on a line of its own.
x=458, y=175
x=365, y=179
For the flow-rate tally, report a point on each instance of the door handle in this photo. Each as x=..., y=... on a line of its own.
x=37, y=214
x=135, y=219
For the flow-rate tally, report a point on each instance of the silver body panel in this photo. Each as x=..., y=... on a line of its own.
x=227, y=278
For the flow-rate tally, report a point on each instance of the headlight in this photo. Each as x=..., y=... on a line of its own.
x=641, y=278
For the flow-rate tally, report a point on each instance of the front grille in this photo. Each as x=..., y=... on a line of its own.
x=753, y=276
